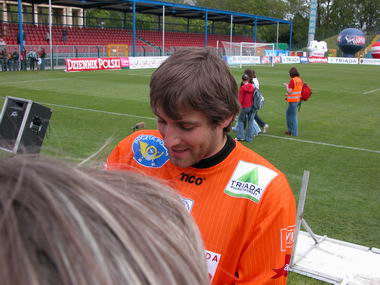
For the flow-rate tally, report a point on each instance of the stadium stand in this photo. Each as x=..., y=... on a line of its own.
x=186, y=39
x=36, y=35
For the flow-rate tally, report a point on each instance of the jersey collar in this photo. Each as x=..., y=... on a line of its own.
x=218, y=157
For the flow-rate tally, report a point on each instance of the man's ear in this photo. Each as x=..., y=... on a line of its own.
x=227, y=121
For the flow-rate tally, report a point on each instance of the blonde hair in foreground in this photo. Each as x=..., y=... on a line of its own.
x=66, y=225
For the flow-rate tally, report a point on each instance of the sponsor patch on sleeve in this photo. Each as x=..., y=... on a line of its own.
x=188, y=203
x=150, y=151
x=287, y=237
x=249, y=181
x=212, y=259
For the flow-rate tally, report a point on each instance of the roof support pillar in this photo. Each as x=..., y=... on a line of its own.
x=278, y=31
x=206, y=29
x=231, y=28
x=163, y=31
x=133, y=28
x=21, y=32
x=290, y=35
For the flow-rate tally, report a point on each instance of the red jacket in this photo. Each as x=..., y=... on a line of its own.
x=246, y=95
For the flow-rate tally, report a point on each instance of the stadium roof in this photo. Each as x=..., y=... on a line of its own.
x=171, y=9
x=159, y=8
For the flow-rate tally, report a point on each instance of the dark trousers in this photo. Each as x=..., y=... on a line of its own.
x=32, y=63
x=259, y=121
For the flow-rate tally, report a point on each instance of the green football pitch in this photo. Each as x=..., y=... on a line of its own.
x=338, y=142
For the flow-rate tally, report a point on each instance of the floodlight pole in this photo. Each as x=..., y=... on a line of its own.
x=50, y=38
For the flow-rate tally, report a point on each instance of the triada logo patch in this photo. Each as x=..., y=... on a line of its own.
x=249, y=181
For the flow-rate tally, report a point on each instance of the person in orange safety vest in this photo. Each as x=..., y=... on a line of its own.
x=293, y=97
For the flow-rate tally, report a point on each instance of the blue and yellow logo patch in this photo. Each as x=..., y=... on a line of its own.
x=150, y=151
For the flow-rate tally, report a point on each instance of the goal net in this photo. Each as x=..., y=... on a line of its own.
x=245, y=53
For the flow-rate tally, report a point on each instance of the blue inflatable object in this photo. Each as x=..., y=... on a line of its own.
x=350, y=41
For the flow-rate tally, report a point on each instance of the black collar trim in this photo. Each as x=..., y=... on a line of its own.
x=218, y=157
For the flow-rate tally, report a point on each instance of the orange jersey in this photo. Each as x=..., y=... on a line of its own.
x=243, y=205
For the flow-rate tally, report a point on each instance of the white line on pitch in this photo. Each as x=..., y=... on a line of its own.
x=36, y=80
x=28, y=81
x=134, y=74
x=371, y=91
x=322, y=143
x=266, y=135
x=98, y=111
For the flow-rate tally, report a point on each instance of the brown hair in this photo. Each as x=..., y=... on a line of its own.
x=293, y=72
x=251, y=73
x=195, y=79
x=65, y=225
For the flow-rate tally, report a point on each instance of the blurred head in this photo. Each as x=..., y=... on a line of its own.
x=251, y=73
x=293, y=72
x=65, y=225
x=245, y=77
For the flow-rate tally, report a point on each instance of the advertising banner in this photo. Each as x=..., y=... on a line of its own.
x=235, y=60
x=124, y=62
x=372, y=61
x=140, y=62
x=312, y=20
x=343, y=60
x=266, y=59
x=290, y=59
x=304, y=59
x=313, y=59
x=276, y=59
x=85, y=64
x=280, y=52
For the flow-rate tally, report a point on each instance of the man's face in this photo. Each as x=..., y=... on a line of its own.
x=191, y=138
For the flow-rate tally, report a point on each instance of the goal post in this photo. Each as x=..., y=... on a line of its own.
x=246, y=53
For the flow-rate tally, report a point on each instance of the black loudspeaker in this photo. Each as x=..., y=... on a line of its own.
x=23, y=125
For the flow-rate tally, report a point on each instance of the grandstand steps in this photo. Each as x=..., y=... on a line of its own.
x=38, y=35
x=148, y=42
x=364, y=52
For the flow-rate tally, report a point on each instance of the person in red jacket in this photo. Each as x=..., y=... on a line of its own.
x=293, y=97
x=245, y=129
x=243, y=205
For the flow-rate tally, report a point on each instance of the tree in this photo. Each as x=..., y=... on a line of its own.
x=336, y=15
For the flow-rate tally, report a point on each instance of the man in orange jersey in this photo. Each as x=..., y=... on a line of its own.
x=243, y=205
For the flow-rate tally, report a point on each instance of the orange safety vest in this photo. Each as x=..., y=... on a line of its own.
x=295, y=95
